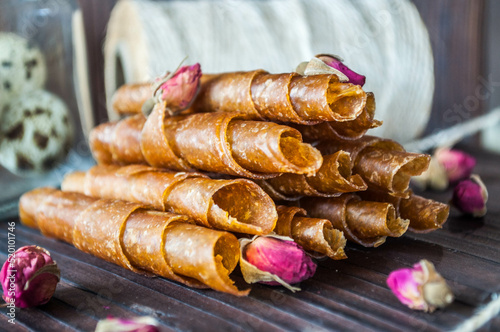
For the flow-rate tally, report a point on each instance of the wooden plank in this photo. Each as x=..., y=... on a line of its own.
x=343, y=295
x=113, y=287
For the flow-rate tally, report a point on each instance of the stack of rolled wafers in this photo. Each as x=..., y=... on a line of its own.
x=255, y=154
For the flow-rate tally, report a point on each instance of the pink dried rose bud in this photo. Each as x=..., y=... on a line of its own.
x=29, y=277
x=180, y=89
x=421, y=287
x=275, y=256
x=337, y=63
x=457, y=164
x=138, y=324
x=470, y=196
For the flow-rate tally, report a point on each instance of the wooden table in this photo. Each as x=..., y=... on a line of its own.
x=343, y=295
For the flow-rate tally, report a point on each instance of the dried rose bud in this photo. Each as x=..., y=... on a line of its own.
x=275, y=260
x=420, y=288
x=458, y=164
x=29, y=277
x=177, y=90
x=336, y=62
x=139, y=324
x=470, y=196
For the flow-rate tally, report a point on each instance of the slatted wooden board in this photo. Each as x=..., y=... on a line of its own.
x=343, y=295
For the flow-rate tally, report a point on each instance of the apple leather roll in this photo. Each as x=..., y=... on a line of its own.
x=237, y=205
x=214, y=142
x=313, y=234
x=129, y=235
x=425, y=215
x=332, y=179
x=129, y=98
x=382, y=163
x=287, y=97
x=364, y=222
x=348, y=130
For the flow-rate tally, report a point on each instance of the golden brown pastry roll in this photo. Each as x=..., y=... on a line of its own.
x=425, y=215
x=129, y=98
x=332, y=179
x=214, y=142
x=348, y=130
x=287, y=97
x=237, y=205
x=382, y=163
x=313, y=234
x=363, y=222
x=114, y=230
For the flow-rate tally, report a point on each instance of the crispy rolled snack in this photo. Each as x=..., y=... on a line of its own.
x=348, y=130
x=288, y=97
x=332, y=179
x=363, y=222
x=213, y=142
x=425, y=215
x=129, y=235
x=237, y=205
x=313, y=234
x=382, y=163
x=129, y=98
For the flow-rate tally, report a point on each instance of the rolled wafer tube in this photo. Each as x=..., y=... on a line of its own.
x=425, y=215
x=332, y=179
x=237, y=205
x=287, y=97
x=116, y=231
x=129, y=98
x=348, y=130
x=382, y=163
x=363, y=222
x=313, y=234
x=214, y=142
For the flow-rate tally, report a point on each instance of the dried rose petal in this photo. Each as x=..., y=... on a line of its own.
x=336, y=62
x=138, y=324
x=470, y=196
x=29, y=277
x=421, y=287
x=275, y=260
x=458, y=164
x=179, y=90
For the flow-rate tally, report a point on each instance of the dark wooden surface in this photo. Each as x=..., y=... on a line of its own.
x=456, y=29
x=343, y=295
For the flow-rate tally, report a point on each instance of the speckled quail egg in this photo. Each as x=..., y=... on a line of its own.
x=35, y=133
x=22, y=67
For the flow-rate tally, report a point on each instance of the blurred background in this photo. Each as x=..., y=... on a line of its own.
x=431, y=64
x=465, y=41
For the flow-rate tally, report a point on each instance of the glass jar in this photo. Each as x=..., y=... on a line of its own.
x=41, y=136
